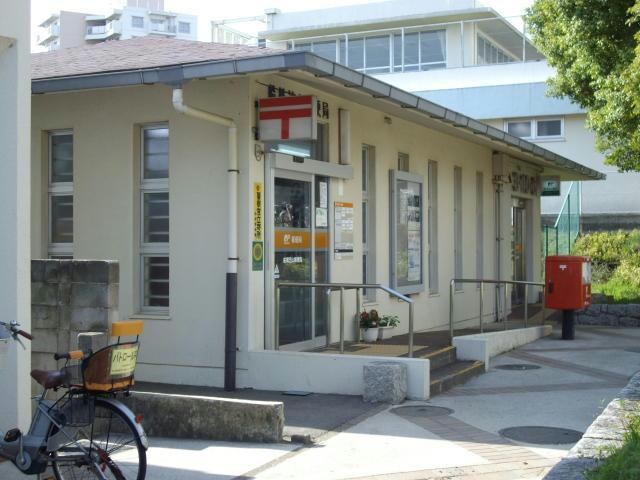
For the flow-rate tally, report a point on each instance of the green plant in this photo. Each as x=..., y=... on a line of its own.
x=389, y=321
x=622, y=463
x=607, y=247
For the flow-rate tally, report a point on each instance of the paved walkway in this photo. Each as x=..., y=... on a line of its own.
x=575, y=382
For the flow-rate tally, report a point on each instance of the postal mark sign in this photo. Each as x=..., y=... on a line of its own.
x=288, y=118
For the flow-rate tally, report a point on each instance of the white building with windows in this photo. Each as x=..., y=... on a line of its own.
x=465, y=56
x=274, y=166
x=135, y=18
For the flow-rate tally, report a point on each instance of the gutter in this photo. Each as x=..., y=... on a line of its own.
x=320, y=67
x=231, y=304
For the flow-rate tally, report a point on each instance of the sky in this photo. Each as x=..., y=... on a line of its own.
x=208, y=10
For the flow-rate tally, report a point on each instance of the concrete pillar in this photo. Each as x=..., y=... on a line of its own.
x=15, y=126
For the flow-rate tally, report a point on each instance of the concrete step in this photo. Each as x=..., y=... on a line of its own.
x=441, y=358
x=445, y=378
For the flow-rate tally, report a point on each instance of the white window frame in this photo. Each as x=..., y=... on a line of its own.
x=479, y=225
x=154, y=249
x=368, y=199
x=137, y=17
x=404, y=163
x=534, y=128
x=56, y=189
x=432, y=221
x=458, y=226
x=183, y=23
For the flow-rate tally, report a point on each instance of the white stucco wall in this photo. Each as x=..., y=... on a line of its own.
x=188, y=346
x=15, y=293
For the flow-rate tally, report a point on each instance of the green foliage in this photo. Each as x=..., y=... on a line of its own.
x=607, y=247
x=622, y=463
x=594, y=46
x=389, y=321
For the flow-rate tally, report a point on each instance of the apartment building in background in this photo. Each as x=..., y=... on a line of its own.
x=468, y=58
x=135, y=18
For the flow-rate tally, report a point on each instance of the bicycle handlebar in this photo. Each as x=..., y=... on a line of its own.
x=15, y=331
x=26, y=335
x=73, y=355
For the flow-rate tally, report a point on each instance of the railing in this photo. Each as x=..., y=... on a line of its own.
x=482, y=282
x=561, y=237
x=341, y=287
x=163, y=28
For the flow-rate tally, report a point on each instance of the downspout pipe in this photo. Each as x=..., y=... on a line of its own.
x=231, y=309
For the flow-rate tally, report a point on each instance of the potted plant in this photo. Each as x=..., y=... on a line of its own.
x=386, y=324
x=369, y=323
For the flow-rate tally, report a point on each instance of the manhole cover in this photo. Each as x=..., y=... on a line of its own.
x=422, y=411
x=517, y=366
x=542, y=435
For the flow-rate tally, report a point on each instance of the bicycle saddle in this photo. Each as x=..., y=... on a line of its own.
x=49, y=378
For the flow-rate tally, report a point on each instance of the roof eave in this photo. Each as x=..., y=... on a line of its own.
x=320, y=67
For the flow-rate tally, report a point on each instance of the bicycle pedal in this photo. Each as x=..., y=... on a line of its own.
x=12, y=435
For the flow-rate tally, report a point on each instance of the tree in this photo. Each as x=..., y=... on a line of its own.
x=594, y=47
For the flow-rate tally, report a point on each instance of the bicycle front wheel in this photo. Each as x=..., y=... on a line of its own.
x=111, y=443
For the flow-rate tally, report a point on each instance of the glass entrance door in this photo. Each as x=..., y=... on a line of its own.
x=300, y=254
x=518, y=222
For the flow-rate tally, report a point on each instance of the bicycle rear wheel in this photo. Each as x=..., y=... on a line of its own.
x=112, y=444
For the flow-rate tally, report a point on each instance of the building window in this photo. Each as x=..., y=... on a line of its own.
x=479, y=225
x=536, y=129
x=403, y=162
x=137, y=22
x=457, y=224
x=60, y=194
x=154, y=228
x=368, y=220
x=423, y=50
x=184, y=27
x=432, y=218
x=489, y=53
x=313, y=149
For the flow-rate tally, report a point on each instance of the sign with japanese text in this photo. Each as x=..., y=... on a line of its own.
x=288, y=118
x=123, y=360
x=343, y=231
x=257, y=211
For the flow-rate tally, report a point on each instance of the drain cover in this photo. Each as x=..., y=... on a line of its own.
x=517, y=366
x=422, y=411
x=542, y=435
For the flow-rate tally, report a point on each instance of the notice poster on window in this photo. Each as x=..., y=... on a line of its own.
x=406, y=235
x=343, y=230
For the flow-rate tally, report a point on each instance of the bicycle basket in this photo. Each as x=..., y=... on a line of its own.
x=110, y=369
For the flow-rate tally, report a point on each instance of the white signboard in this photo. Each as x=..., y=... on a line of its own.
x=288, y=118
x=343, y=231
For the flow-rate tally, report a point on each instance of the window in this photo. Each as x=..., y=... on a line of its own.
x=457, y=224
x=313, y=149
x=479, y=225
x=184, y=27
x=384, y=53
x=403, y=162
x=60, y=194
x=405, y=259
x=154, y=229
x=368, y=219
x=137, y=22
x=488, y=53
x=433, y=226
x=537, y=129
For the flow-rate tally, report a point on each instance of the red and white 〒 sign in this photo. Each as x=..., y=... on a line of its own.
x=288, y=118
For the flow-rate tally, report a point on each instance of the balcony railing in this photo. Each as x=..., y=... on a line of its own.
x=424, y=47
x=163, y=28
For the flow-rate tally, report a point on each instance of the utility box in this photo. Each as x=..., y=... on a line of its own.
x=568, y=288
x=568, y=282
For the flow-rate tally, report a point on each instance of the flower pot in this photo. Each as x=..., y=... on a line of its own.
x=370, y=334
x=385, y=332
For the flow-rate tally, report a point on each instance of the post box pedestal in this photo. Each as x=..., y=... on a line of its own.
x=568, y=324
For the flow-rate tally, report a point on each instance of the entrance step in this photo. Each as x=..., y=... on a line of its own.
x=445, y=378
x=441, y=357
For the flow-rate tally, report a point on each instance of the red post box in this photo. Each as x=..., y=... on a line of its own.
x=568, y=288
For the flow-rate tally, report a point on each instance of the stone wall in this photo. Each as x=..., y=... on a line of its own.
x=69, y=297
x=611, y=315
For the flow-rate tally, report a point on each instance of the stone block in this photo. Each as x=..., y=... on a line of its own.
x=94, y=271
x=45, y=341
x=63, y=341
x=89, y=295
x=92, y=341
x=385, y=382
x=37, y=270
x=633, y=310
x=629, y=322
x=64, y=294
x=44, y=293
x=87, y=319
x=64, y=317
x=44, y=316
x=51, y=268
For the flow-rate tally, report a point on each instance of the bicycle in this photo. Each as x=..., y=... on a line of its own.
x=86, y=432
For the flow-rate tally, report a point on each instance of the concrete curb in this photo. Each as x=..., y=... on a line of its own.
x=207, y=418
x=484, y=346
x=607, y=431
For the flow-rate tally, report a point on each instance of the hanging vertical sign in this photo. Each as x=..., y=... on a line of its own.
x=343, y=230
x=257, y=250
x=288, y=118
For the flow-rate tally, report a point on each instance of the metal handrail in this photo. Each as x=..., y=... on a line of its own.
x=482, y=281
x=341, y=287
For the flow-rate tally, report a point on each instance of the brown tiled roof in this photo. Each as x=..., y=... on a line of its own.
x=136, y=53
